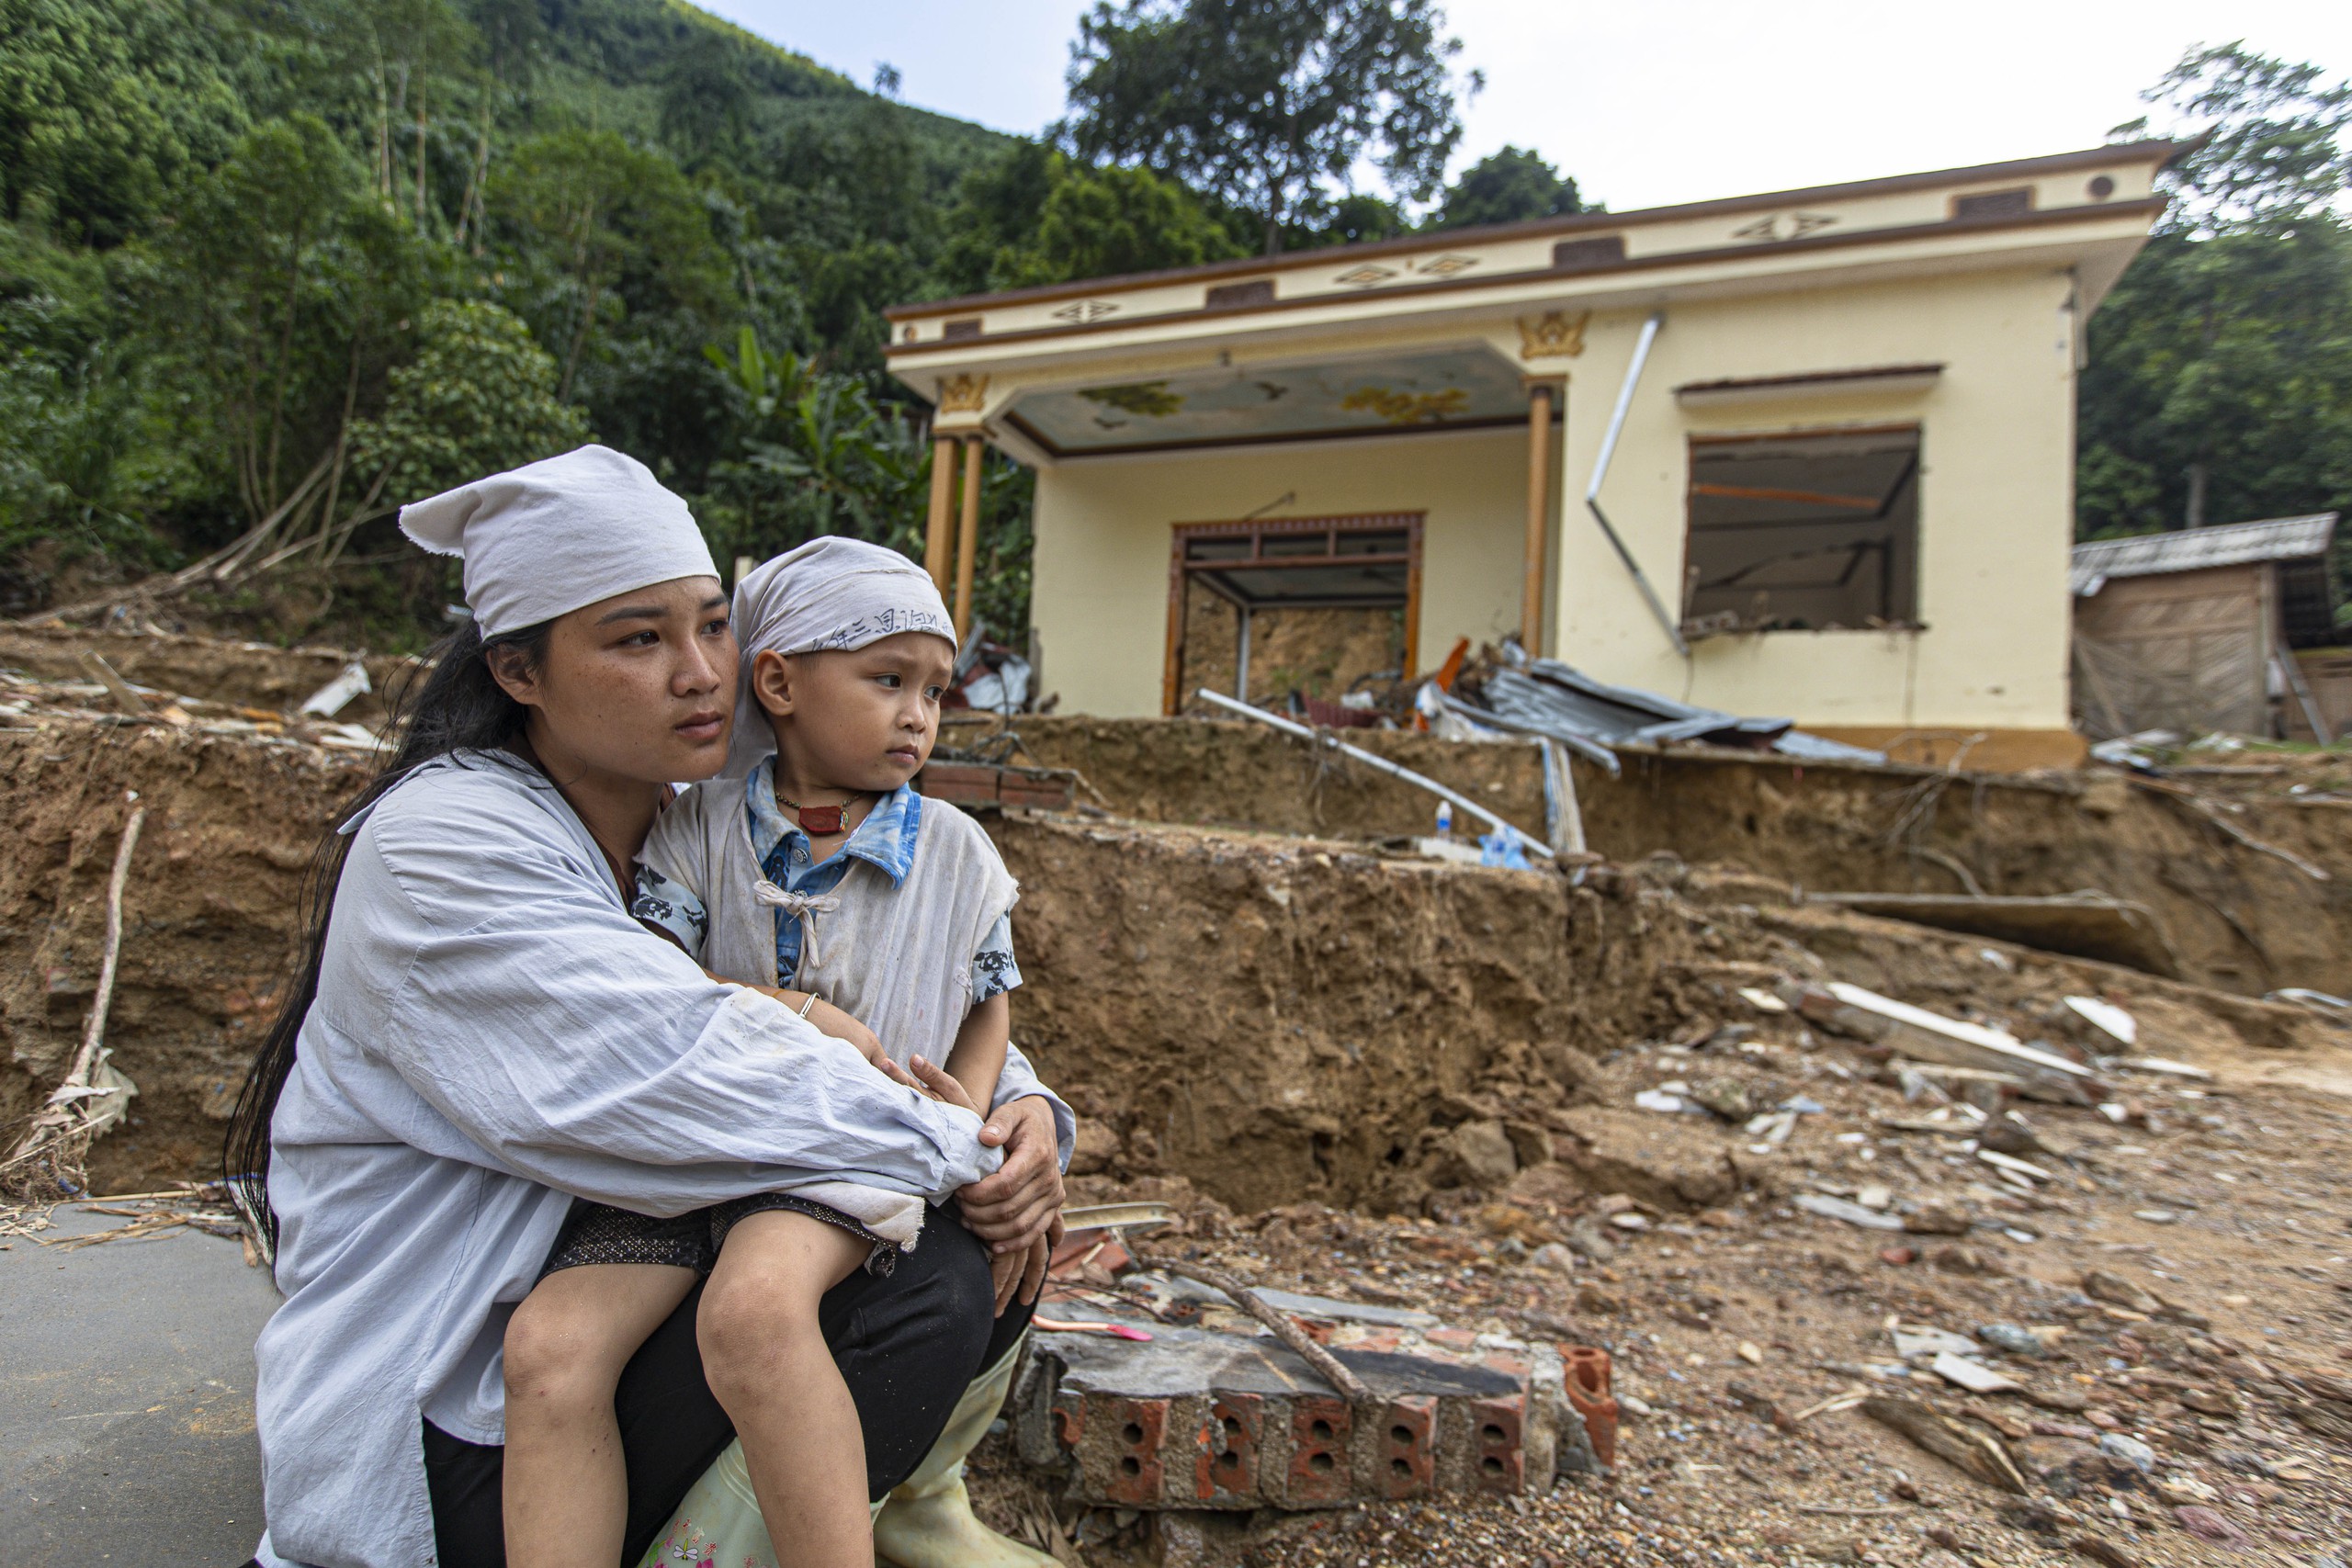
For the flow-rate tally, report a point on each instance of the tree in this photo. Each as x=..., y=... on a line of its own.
x=2271, y=148
x=478, y=398
x=819, y=455
x=1509, y=187
x=2220, y=383
x=1039, y=216
x=706, y=99
x=626, y=229
x=1268, y=106
x=105, y=106
x=274, y=309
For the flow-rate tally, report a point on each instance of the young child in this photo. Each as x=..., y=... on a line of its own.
x=817, y=868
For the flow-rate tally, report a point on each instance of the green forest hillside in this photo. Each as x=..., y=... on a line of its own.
x=270, y=268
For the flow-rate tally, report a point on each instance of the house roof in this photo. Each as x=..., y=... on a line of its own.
x=2193, y=549
x=2087, y=212
x=2152, y=151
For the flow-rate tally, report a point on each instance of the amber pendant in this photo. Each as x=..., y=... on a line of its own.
x=820, y=821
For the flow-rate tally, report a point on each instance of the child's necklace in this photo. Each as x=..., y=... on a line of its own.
x=820, y=821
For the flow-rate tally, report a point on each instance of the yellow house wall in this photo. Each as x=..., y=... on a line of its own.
x=1100, y=596
x=1995, y=504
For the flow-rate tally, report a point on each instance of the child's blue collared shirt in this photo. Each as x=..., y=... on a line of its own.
x=884, y=839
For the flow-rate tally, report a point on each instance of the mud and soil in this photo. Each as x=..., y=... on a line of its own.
x=250, y=673
x=1276, y=1019
x=2238, y=919
x=209, y=920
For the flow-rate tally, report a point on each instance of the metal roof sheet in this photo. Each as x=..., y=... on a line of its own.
x=2191, y=550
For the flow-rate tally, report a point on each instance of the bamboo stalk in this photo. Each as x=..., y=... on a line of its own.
x=1334, y=1373
x=65, y=1116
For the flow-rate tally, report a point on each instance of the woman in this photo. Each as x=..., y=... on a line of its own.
x=482, y=1032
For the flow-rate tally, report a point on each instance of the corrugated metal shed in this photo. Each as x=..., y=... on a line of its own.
x=2190, y=550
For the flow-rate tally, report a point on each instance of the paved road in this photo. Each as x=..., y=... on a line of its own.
x=127, y=1400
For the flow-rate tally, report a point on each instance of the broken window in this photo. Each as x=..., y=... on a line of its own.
x=1310, y=605
x=1808, y=532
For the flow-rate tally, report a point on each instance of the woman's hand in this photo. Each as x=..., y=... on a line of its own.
x=1024, y=1200
x=1016, y=1268
x=1024, y=1271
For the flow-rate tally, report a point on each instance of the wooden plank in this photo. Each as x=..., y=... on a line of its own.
x=2112, y=931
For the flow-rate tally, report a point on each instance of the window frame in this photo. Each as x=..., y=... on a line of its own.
x=1695, y=441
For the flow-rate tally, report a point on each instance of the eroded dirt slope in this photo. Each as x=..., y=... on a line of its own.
x=2239, y=919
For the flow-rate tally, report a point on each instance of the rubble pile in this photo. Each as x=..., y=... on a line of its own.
x=1900, y=1244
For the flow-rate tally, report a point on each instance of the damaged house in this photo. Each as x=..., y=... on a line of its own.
x=1807, y=453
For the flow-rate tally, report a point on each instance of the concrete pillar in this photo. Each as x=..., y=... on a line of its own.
x=938, y=544
x=976, y=449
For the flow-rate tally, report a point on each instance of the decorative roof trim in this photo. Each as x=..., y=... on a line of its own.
x=2157, y=152
x=2048, y=218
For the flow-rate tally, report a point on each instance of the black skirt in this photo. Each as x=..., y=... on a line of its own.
x=598, y=1233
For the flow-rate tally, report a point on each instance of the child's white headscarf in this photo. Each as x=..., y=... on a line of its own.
x=832, y=594
x=551, y=536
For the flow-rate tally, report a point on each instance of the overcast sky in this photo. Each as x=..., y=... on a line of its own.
x=1671, y=100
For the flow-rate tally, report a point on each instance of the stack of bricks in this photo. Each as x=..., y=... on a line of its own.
x=1203, y=1420
x=984, y=784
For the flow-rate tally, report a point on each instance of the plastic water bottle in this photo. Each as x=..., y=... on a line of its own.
x=1445, y=819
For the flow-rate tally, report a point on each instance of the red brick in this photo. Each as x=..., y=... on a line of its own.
x=1317, y=1472
x=1227, y=1466
x=1494, y=1434
x=1407, y=1453
x=1131, y=1432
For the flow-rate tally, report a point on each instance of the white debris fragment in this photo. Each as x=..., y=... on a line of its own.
x=1840, y=1209
x=2009, y=1164
x=2165, y=1066
x=1917, y=1033
x=1919, y=1341
x=1659, y=1100
x=336, y=695
x=1762, y=1001
x=1973, y=1376
x=2107, y=1018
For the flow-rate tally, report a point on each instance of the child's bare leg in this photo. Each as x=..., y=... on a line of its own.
x=566, y=1489
x=770, y=1368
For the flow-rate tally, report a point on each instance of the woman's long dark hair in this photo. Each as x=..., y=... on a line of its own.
x=453, y=704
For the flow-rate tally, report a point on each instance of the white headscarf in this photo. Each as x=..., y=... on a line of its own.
x=557, y=535
x=832, y=594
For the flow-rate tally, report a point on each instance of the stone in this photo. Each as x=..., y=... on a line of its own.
x=1963, y=1260
x=1935, y=1219
x=1589, y=1237
x=1552, y=1257
x=2116, y=1291
x=1623, y=1151
x=2130, y=1450
x=1097, y=1145
x=1484, y=1151
x=1728, y=1097
x=2011, y=1340
x=2207, y=1525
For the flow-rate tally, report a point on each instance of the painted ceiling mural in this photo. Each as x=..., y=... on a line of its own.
x=1438, y=389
